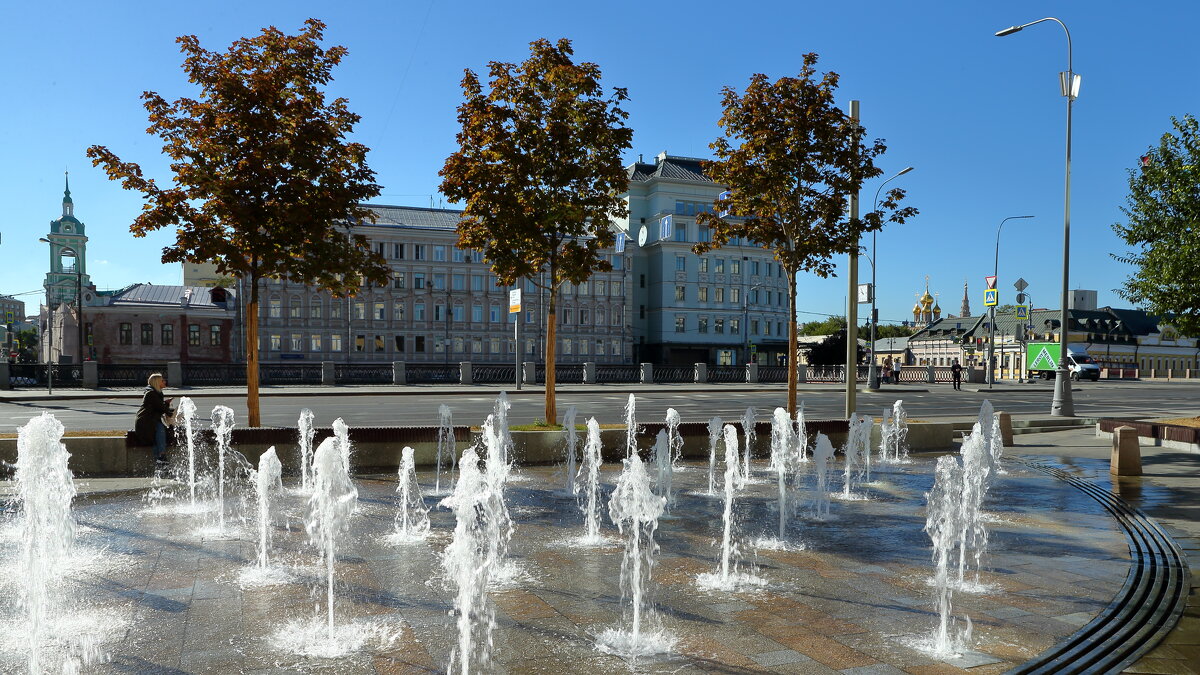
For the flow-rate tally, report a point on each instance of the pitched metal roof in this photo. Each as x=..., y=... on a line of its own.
x=152, y=294
x=892, y=344
x=669, y=166
x=415, y=216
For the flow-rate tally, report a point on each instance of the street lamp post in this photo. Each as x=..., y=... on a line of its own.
x=991, y=358
x=1062, y=405
x=873, y=372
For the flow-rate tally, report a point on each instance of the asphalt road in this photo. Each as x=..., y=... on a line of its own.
x=1134, y=399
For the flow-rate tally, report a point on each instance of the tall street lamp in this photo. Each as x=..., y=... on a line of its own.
x=1068, y=82
x=991, y=373
x=873, y=372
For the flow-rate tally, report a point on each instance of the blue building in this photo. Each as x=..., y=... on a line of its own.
x=726, y=307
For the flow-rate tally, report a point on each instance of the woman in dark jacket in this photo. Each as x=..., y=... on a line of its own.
x=149, y=427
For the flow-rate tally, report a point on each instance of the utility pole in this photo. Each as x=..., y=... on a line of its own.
x=852, y=306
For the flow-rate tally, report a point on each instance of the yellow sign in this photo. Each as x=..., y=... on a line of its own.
x=514, y=301
x=990, y=297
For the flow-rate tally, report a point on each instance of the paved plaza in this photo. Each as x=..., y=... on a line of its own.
x=164, y=593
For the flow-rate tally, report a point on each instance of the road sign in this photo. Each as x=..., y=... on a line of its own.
x=1022, y=312
x=991, y=282
x=1021, y=298
x=8, y=317
x=1020, y=285
x=665, y=225
x=991, y=296
x=514, y=301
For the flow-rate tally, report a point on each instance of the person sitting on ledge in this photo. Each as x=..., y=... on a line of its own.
x=149, y=427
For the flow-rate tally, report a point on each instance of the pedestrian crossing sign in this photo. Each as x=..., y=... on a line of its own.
x=990, y=297
x=1022, y=312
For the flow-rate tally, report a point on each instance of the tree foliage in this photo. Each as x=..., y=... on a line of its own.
x=832, y=350
x=539, y=169
x=791, y=159
x=264, y=182
x=826, y=326
x=1163, y=228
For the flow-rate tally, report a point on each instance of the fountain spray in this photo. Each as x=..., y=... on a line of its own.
x=591, y=485
x=630, y=427
x=307, y=431
x=267, y=482
x=781, y=449
x=822, y=455
x=469, y=568
x=749, y=432
x=570, y=445
x=714, y=437
x=943, y=525
x=662, y=460
x=412, y=518
x=329, y=509
x=445, y=442
x=801, y=435
x=222, y=425
x=47, y=527
x=341, y=434
x=185, y=413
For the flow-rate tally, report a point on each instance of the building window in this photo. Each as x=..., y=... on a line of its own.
x=618, y=315
x=418, y=252
x=735, y=295
x=494, y=314
x=753, y=268
x=680, y=263
x=378, y=343
x=601, y=287
x=456, y=313
x=680, y=232
x=702, y=265
x=702, y=294
x=458, y=282
x=360, y=310
x=397, y=310
x=335, y=309
x=703, y=324
x=719, y=265
x=335, y=342
x=439, y=281
x=476, y=345
x=477, y=283
x=754, y=296
x=457, y=344
x=703, y=233
x=439, y=344
x=398, y=251
x=477, y=313
x=494, y=346
x=419, y=344
x=380, y=312
x=584, y=288
x=719, y=294
x=314, y=343
x=725, y=357
x=583, y=347
x=754, y=326
x=274, y=344
x=567, y=347
x=214, y=335
x=294, y=308
x=399, y=281
x=616, y=289
x=456, y=254
x=418, y=311
x=439, y=253
x=680, y=293
x=418, y=281
x=616, y=348
x=617, y=260
x=719, y=325
x=439, y=312
x=297, y=342
x=584, y=318
x=599, y=347
x=398, y=342
x=314, y=308
x=360, y=343
x=735, y=266
x=735, y=326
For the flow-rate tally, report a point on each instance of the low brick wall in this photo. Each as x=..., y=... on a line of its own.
x=1164, y=435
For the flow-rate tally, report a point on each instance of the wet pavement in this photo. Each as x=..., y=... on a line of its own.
x=165, y=593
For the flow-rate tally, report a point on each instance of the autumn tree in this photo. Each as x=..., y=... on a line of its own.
x=264, y=182
x=791, y=159
x=539, y=169
x=1163, y=228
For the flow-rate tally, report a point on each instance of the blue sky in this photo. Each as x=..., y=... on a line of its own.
x=980, y=117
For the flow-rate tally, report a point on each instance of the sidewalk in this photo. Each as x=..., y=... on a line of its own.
x=1169, y=492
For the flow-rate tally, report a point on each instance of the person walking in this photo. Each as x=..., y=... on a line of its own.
x=887, y=369
x=956, y=373
x=149, y=426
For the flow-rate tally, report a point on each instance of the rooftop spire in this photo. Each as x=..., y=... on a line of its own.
x=68, y=204
x=966, y=303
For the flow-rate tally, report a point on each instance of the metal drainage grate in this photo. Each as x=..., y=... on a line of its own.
x=1147, y=607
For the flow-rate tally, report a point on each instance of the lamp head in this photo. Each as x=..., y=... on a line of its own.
x=905, y=170
x=44, y=240
x=1008, y=31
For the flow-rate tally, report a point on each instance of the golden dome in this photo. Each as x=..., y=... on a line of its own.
x=927, y=299
x=916, y=309
x=937, y=308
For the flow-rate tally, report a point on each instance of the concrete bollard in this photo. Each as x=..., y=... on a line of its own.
x=801, y=373
x=6, y=379
x=529, y=372
x=328, y=373
x=700, y=374
x=589, y=372
x=752, y=373
x=175, y=374
x=647, y=376
x=91, y=375
x=1006, y=434
x=464, y=373
x=399, y=374
x=1126, y=453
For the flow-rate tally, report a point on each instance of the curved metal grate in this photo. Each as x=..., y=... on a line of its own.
x=432, y=373
x=493, y=374
x=674, y=374
x=1147, y=607
x=361, y=373
x=726, y=373
x=621, y=373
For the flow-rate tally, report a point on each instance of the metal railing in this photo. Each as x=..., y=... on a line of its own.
x=361, y=373
x=727, y=373
x=490, y=373
x=772, y=374
x=201, y=374
x=127, y=375
x=618, y=373
x=674, y=374
x=564, y=373
x=432, y=373
x=826, y=373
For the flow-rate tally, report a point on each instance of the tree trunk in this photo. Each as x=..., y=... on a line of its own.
x=252, y=356
x=551, y=321
x=791, y=355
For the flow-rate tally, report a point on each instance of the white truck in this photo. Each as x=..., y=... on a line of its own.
x=1041, y=360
